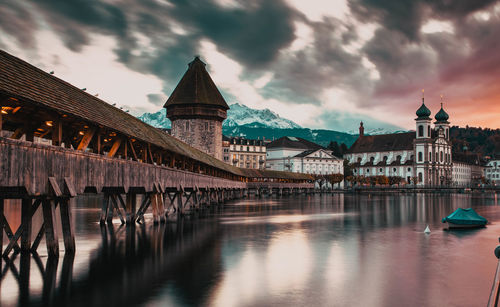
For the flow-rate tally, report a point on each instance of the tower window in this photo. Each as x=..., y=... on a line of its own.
x=420, y=131
x=441, y=156
x=429, y=131
x=420, y=156
x=430, y=157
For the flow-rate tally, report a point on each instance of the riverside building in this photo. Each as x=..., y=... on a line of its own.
x=422, y=156
x=298, y=155
x=245, y=153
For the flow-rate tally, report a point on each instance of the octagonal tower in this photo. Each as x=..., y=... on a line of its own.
x=197, y=110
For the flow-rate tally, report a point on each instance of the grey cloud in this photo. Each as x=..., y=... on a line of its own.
x=16, y=20
x=156, y=99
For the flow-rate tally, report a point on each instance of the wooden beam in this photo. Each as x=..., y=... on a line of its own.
x=98, y=145
x=57, y=133
x=132, y=149
x=150, y=154
x=0, y=124
x=87, y=137
x=125, y=151
x=30, y=133
x=18, y=133
x=115, y=147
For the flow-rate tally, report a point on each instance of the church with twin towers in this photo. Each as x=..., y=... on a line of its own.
x=422, y=157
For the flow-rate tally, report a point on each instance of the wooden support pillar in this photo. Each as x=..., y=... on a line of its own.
x=49, y=220
x=30, y=133
x=180, y=194
x=131, y=201
x=0, y=124
x=67, y=225
x=26, y=224
x=57, y=133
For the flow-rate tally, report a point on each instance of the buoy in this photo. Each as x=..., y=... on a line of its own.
x=427, y=229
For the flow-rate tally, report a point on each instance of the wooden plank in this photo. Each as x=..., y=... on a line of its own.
x=49, y=220
x=57, y=133
x=67, y=226
x=68, y=187
x=115, y=147
x=55, y=187
x=87, y=137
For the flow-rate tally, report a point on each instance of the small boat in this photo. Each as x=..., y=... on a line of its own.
x=465, y=218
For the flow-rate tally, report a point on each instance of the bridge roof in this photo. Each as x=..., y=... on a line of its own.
x=22, y=80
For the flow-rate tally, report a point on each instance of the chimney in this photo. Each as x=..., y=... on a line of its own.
x=361, y=129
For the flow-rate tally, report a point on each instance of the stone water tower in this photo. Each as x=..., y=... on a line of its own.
x=197, y=110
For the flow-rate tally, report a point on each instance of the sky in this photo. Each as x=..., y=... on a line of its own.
x=321, y=63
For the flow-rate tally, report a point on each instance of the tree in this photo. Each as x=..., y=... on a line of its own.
x=335, y=178
x=395, y=180
x=343, y=148
x=334, y=147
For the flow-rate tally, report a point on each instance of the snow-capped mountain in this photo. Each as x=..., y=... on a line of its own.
x=238, y=115
x=241, y=115
x=158, y=119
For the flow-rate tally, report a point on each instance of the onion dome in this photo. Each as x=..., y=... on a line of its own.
x=442, y=116
x=423, y=111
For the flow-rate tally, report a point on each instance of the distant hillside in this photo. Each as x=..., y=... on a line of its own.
x=322, y=137
x=485, y=142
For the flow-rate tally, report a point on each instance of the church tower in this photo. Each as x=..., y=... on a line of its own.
x=197, y=110
x=423, y=147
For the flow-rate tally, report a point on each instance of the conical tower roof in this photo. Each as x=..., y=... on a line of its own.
x=196, y=88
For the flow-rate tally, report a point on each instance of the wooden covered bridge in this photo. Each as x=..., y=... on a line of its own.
x=58, y=141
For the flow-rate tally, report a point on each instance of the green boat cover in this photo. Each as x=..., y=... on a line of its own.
x=465, y=217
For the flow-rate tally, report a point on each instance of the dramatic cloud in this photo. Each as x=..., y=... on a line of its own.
x=332, y=61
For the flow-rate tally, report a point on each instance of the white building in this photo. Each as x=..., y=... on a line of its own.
x=467, y=169
x=492, y=171
x=301, y=156
x=424, y=154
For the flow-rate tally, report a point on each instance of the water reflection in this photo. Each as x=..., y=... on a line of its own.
x=345, y=250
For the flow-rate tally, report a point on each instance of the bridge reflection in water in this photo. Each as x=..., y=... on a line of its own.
x=130, y=264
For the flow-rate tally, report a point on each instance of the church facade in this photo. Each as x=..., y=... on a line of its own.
x=421, y=157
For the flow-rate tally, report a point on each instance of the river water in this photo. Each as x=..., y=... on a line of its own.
x=316, y=250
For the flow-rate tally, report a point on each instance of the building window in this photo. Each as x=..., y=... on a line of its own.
x=429, y=131
x=430, y=156
x=420, y=131
x=409, y=169
x=394, y=170
x=420, y=156
x=187, y=126
x=441, y=156
x=420, y=179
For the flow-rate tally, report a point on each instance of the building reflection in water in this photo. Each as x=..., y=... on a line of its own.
x=341, y=249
